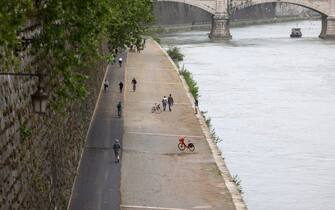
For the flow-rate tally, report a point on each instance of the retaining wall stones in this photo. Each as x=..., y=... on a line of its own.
x=39, y=154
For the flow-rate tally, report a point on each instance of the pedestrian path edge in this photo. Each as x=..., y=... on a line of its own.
x=217, y=155
x=86, y=136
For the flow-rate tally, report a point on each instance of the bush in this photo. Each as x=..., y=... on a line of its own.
x=175, y=54
x=192, y=84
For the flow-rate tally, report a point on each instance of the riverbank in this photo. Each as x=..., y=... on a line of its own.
x=234, y=23
x=154, y=173
x=271, y=108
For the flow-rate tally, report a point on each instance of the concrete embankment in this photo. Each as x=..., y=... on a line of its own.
x=154, y=173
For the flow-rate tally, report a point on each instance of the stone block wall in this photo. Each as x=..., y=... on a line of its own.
x=39, y=154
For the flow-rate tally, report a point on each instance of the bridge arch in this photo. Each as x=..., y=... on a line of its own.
x=197, y=3
x=304, y=3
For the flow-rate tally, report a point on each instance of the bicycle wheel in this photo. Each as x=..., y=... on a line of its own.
x=153, y=109
x=181, y=146
x=191, y=147
x=158, y=111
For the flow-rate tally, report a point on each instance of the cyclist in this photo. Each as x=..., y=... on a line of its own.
x=106, y=84
x=121, y=86
x=117, y=148
x=134, y=82
x=119, y=109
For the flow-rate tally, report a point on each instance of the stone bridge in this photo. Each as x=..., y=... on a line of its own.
x=222, y=10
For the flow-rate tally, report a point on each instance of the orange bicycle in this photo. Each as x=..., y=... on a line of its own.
x=182, y=146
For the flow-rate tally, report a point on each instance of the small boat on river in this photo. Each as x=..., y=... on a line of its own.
x=296, y=33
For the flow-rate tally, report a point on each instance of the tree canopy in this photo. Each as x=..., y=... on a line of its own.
x=68, y=34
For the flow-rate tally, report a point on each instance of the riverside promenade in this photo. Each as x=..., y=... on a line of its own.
x=154, y=173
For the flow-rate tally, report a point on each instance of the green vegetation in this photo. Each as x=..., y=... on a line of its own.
x=175, y=54
x=25, y=132
x=192, y=84
x=237, y=181
x=68, y=37
x=213, y=134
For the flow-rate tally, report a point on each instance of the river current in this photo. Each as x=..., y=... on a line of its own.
x=272, y=101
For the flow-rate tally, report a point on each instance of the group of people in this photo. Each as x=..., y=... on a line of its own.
x=138, y=46
x=106, y=85
x=167, y=101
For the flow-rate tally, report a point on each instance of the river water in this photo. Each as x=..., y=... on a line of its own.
x=272, y=101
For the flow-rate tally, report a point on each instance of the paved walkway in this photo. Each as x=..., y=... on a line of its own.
x=97, y=186
x=154, y=174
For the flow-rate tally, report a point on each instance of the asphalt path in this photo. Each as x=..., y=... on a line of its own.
x=97, y=185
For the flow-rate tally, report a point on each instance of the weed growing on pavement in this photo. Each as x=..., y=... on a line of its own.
x=213, y=134
x=237, y=181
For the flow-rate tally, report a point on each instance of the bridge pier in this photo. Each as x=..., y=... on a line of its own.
x=328, y=27
x=220, y=27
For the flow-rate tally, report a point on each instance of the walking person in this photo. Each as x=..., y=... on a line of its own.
x=117, y=148
x=106, y=85
x=121, y=86
x=170, y=102
x=134, y=82
x=164, y=102
x=120, y=61
x=119, y=109
x=196, y=104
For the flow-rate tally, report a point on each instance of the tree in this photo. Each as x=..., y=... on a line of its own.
x=68, y=35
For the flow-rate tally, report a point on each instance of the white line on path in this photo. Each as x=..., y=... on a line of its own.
x=161, y=83
x=163, y=134
x=152, y=102
x=162, y=208
x=149, y=207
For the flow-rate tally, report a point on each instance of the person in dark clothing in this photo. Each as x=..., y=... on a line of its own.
x=119, y=109
x=106, y=84
x=134, y=82
x=117, y=148
x=121, y=86
x=170, y=102
x=196, y=104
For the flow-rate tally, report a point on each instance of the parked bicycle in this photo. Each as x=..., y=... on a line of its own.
x=182, y=146
x=156, y=108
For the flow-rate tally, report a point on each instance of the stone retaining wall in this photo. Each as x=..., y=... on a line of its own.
x=39, y=154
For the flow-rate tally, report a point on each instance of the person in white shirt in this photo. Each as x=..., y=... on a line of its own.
x=164, y=102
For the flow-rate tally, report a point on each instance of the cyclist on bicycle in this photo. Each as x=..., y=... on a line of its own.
x=117, y=148
x=119, y=109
